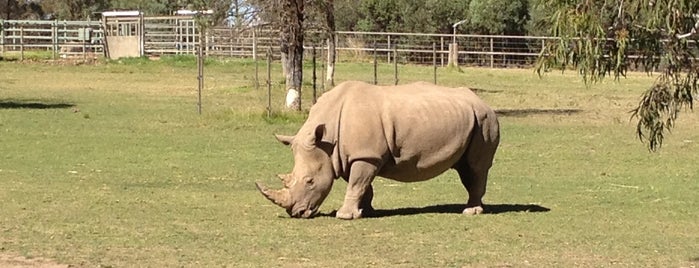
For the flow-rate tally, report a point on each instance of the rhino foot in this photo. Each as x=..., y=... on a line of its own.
x=348, y=214
x=473, y=210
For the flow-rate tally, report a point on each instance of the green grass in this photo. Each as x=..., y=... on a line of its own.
x=110, y=165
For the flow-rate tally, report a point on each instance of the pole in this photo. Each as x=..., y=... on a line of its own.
x=395, y=65
x=492, y=59
x=21, y=43
x=441, y=49
x=2, y=38
x=376, y=79
x=269, y=82
x=314, y=75
x=254, y=45
x=389, y=47
x=54, y=39
x=254, y=58
x=434, y=61
x=200, y=67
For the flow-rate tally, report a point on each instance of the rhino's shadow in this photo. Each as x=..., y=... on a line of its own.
x=39, y=105
x=451, y=209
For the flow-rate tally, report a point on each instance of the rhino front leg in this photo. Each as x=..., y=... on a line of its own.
x=358, y=186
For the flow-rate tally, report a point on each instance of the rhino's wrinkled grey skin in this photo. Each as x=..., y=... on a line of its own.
x=407, y=133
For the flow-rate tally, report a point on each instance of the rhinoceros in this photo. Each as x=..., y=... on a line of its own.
x=407, y=133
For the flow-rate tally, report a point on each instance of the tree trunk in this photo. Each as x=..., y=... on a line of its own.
x=330, y=22
x=292, y=51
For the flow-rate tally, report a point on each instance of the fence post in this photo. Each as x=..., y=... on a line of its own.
x=254, y=44
x=54, y=39
x=314, y=75
x=389, y=49
x=492, y=53
x=395, y=65
x=269, y=82
x=21, y=43
x=254, y=57
x=441, y=48
x=200, y=67
x=2, y=37
x=84, y=43
x=376, y=79
x=434, y=61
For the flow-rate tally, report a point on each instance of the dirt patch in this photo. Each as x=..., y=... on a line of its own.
x=13, y=261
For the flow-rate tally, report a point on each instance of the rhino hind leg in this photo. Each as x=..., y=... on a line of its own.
x=475, y=183
x=474, y=165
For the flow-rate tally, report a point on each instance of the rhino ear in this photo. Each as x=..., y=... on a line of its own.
x=286, y=140
x=319, y=133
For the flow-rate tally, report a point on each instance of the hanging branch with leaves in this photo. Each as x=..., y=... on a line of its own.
x=596, y=38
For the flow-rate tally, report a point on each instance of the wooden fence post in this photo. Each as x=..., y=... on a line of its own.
x=54, y=39
x=2, y=38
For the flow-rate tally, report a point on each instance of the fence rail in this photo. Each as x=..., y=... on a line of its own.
x=62, y=38
x=168, y=35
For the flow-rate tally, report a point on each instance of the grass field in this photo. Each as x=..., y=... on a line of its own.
x=109, y=165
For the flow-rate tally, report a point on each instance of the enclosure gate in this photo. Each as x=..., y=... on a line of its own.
x=123, y=35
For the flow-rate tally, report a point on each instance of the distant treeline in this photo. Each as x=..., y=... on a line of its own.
x=498, y=17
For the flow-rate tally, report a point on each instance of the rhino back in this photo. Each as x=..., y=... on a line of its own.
x=415, y=131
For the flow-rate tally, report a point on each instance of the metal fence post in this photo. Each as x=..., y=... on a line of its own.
x=389, y=47
x=492, y=53
x=434, y=61
x=441, y=48
x=200, y=67
x=395, y=65
x=21, y=43
x=376, y=79
x=314, y=75
x=269, y=82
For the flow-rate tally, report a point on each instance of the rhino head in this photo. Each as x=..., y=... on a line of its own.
x=310, y=181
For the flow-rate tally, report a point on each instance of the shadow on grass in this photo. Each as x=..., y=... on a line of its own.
x=451, y=209
x=532, y=111
x=33, y=105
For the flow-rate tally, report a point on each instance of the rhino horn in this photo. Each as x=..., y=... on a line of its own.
x=286, y=178
x=279, y=197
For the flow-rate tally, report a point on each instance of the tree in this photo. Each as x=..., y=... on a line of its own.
x=508, y=17
x=14, y=9
x=292, y=34
x=446, y=12
x=328, y=7
x=597, y=39
x=74, y=9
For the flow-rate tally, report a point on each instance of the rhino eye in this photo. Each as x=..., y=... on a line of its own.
x=309, y=181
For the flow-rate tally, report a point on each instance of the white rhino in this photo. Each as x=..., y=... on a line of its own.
x=406, y=133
